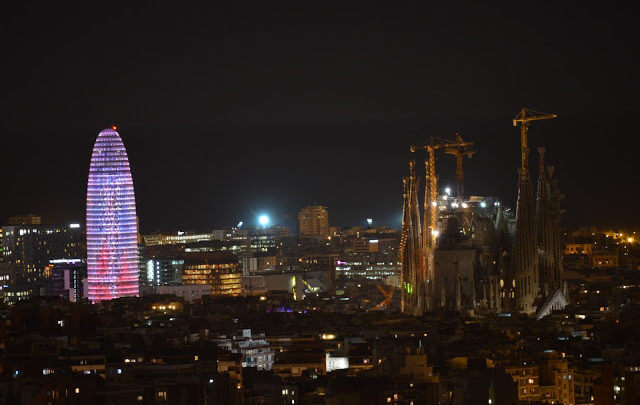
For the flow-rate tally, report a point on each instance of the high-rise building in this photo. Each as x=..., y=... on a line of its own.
x=313, y=222
x=112, y=251
x=26, y=253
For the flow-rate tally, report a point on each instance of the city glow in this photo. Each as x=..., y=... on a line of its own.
x=112, y=230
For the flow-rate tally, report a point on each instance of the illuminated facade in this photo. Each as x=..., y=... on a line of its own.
x=112, y=253
x=313, y=222
x=26, y=252
x=219, y=270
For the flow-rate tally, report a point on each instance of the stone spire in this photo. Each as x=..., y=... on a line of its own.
x=525, y=254
x=412, y=256
x=556, y=216
x=544, y=229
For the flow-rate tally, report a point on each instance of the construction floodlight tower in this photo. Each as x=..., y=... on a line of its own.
x=525, y=268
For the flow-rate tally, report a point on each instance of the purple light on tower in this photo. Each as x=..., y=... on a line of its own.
x=112, y=229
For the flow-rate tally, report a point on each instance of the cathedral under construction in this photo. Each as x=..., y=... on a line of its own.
x=472, y=254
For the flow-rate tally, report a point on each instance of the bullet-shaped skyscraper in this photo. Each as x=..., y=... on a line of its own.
x=112, y=255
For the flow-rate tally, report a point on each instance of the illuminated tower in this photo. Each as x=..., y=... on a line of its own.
x=112, y=253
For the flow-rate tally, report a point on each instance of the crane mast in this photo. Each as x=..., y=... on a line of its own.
x=460, y=149
x=430, y=224
x=524, y=119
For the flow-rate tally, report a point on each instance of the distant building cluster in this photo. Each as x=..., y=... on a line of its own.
x=469, y=302
x=596, y=248
x=41, y=260
x=189, y=346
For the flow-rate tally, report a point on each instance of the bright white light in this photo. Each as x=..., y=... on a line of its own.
x=264, y=220
x=497, y=203
x=74, y=226
x=447, y=190
x=464, y=205
x=483, y=204
x=435, y=233
x=433, y=203
x=336, y=363
x=150, y=270
x=240, y=224
x=370, y=221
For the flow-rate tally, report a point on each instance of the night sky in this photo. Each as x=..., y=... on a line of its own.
x=231, y=112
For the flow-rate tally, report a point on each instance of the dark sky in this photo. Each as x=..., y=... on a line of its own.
x=230, y=112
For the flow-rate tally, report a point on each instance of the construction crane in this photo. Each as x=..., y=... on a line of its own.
x=430, y=231
x=459, y=150
x=388, y=295
x=524, y=119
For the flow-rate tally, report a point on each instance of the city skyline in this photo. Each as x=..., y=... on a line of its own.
x=314, y=204
x=238, y=118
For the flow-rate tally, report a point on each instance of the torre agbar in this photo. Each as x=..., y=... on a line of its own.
x=112, y=252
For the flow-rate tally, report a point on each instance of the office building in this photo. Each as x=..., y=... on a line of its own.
x=26, y=254
x=67, y=277
x=112, y=251
x=163, y=271
x=219, y=270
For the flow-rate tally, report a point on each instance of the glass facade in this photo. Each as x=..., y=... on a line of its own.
x=112, y=230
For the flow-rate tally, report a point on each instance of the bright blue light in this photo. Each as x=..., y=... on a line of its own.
x=264, y=220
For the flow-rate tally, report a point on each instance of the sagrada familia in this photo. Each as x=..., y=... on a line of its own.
x=471, y=254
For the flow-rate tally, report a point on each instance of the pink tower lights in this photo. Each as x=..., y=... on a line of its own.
x=112, y=229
